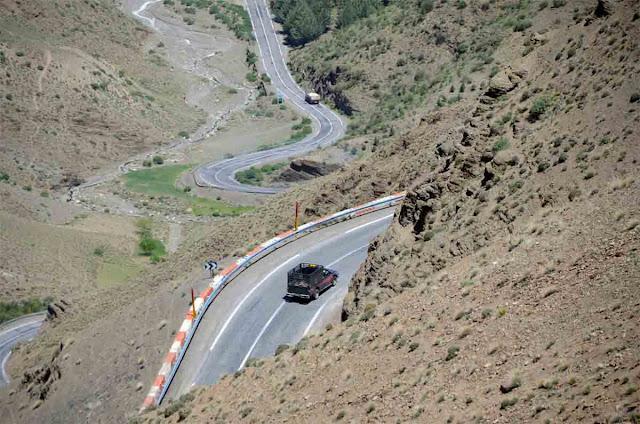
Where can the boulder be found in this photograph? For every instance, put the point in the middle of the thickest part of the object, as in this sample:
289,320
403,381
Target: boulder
503,82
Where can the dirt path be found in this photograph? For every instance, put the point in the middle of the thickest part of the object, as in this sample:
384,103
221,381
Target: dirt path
175,236
45,69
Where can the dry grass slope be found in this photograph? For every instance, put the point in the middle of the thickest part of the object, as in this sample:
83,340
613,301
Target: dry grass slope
79,90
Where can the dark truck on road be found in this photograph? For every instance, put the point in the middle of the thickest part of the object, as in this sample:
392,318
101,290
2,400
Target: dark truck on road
307,281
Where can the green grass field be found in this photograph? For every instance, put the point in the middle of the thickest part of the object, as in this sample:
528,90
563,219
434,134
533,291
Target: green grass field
117,270
161,181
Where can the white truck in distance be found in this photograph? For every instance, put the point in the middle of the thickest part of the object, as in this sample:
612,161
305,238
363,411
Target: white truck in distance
312,98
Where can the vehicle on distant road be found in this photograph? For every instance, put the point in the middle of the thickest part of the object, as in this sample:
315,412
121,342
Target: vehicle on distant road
307,281
312,98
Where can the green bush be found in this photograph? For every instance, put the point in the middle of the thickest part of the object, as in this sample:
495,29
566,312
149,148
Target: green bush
425,6
252,76
539,107
149,246
521,25
158,160
501,144
452,352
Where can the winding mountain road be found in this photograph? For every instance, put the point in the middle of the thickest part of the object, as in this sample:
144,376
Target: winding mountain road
19,330
251,318
328,125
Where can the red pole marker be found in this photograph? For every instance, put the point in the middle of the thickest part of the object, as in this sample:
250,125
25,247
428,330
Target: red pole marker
193,303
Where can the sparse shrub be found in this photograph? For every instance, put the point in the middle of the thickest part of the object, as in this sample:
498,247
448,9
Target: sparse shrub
634,98
252,76
543,166
99,251
486,313
539,107
369,312
244,412
631,390
452,352
147,163
464,333
425,6
158,160
461,4
507,403
183,134
548,384
502,311
418,412
574,193
340,415
501,144
521,25
413,346
558,3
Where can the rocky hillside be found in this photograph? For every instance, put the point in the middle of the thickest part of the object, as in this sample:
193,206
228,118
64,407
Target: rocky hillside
507,288
80,89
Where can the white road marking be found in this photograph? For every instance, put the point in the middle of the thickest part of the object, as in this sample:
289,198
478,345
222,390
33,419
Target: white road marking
368,223
253,346
315,316
5,377
235,311
319,311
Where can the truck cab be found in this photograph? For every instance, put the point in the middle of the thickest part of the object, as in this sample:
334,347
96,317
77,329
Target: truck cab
312,98
307,281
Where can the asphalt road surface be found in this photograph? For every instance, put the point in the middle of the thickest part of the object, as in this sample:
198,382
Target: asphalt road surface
19,330
328,125
251,317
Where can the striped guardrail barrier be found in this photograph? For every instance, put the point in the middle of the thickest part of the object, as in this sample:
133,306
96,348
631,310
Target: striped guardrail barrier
203,301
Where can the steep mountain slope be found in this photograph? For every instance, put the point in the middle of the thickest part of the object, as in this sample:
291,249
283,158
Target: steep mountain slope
507,288
79,90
